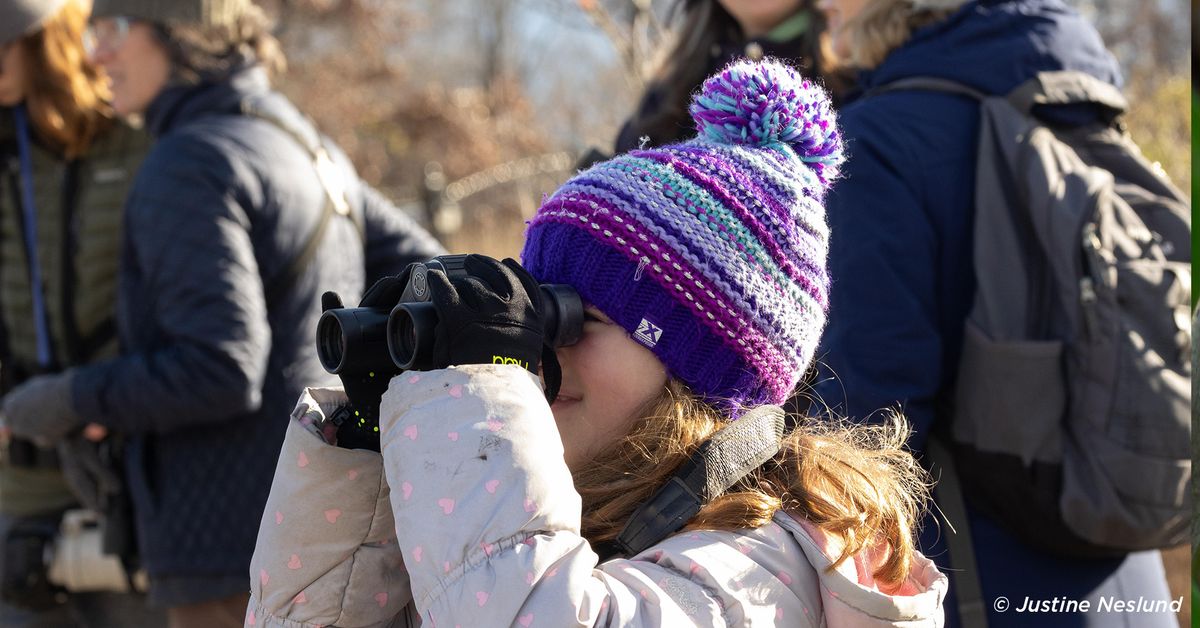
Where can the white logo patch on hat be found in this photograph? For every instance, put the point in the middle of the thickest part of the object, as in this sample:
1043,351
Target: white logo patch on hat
648,333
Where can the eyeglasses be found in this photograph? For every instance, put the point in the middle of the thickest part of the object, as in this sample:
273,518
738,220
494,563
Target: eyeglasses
106,33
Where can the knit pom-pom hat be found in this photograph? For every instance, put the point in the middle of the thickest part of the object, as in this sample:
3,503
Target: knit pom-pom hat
711,252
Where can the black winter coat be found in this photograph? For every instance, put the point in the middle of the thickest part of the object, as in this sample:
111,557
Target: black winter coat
210,369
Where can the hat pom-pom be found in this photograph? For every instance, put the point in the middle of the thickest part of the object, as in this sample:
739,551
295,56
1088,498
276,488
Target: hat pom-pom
762,103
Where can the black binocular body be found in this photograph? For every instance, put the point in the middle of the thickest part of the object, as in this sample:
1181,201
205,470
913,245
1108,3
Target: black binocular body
368,346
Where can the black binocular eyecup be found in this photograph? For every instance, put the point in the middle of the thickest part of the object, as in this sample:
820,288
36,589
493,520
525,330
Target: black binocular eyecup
373,340
410,330
348,338
562,314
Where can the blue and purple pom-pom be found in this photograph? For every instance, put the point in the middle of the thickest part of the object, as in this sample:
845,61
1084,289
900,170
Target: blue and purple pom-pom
760,103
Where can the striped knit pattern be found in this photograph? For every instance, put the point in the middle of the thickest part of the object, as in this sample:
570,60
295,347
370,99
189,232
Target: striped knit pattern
710,252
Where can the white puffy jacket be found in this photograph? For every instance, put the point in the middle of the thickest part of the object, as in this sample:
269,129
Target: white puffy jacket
480,527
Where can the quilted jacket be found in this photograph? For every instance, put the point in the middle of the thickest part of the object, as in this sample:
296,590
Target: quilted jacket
213,355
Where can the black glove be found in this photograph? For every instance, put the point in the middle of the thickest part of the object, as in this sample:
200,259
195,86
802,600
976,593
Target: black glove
386,292
491,316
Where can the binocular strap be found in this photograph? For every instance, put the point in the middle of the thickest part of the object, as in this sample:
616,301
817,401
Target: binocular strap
551,373
719,463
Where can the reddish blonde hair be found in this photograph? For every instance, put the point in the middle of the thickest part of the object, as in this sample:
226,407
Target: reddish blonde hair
66,95
878,29
856,483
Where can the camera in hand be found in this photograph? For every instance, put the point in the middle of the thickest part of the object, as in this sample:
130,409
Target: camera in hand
367,346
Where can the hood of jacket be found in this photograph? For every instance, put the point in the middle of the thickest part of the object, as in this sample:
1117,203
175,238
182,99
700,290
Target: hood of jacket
178,104
995,45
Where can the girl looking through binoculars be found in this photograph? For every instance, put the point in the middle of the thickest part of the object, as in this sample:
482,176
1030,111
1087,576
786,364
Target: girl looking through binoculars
660,487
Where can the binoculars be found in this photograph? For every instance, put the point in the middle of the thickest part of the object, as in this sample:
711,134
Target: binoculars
365,339
367,346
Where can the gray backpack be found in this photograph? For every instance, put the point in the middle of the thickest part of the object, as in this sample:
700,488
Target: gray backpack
1071,412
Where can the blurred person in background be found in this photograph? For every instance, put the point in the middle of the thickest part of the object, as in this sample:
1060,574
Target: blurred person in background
240,217
710,35
66,165
902,221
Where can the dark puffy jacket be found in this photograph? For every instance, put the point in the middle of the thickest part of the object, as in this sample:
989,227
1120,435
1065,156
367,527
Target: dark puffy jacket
210,367
900,262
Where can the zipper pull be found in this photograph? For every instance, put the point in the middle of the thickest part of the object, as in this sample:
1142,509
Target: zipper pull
330,425
1087,299
340,415
1091,237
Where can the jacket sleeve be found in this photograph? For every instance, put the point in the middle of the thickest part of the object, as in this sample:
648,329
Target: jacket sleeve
326,552
189,251
882,348
488,519
394,240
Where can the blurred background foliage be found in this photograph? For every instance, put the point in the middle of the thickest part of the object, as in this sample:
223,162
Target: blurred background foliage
424,93
1161,123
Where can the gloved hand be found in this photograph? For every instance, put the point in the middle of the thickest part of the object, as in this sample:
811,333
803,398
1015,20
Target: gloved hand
491,316
40,409
90,478
383,294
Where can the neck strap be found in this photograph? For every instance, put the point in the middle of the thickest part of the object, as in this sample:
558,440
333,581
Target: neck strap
719,463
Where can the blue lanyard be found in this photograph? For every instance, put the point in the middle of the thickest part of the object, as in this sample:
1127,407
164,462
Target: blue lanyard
29,211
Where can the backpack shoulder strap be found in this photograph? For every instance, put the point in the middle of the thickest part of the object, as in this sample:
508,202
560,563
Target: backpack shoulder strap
326,171
927,84
335,196
1064,87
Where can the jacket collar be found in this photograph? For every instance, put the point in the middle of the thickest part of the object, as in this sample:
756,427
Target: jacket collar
179,104
995,45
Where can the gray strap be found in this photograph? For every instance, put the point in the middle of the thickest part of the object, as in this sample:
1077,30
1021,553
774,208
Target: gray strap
331,182
1047,88
335,199
738,449
719,463
965,573
1066,88
927,84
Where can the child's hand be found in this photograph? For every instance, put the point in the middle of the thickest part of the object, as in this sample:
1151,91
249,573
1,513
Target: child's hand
491,316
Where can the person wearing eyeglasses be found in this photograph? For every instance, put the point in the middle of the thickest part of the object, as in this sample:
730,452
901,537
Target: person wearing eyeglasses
240,217
66,164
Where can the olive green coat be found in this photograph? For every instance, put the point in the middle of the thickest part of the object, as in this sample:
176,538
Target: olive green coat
79,207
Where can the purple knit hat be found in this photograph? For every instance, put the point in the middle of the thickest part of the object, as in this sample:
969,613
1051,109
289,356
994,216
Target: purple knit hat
710,252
